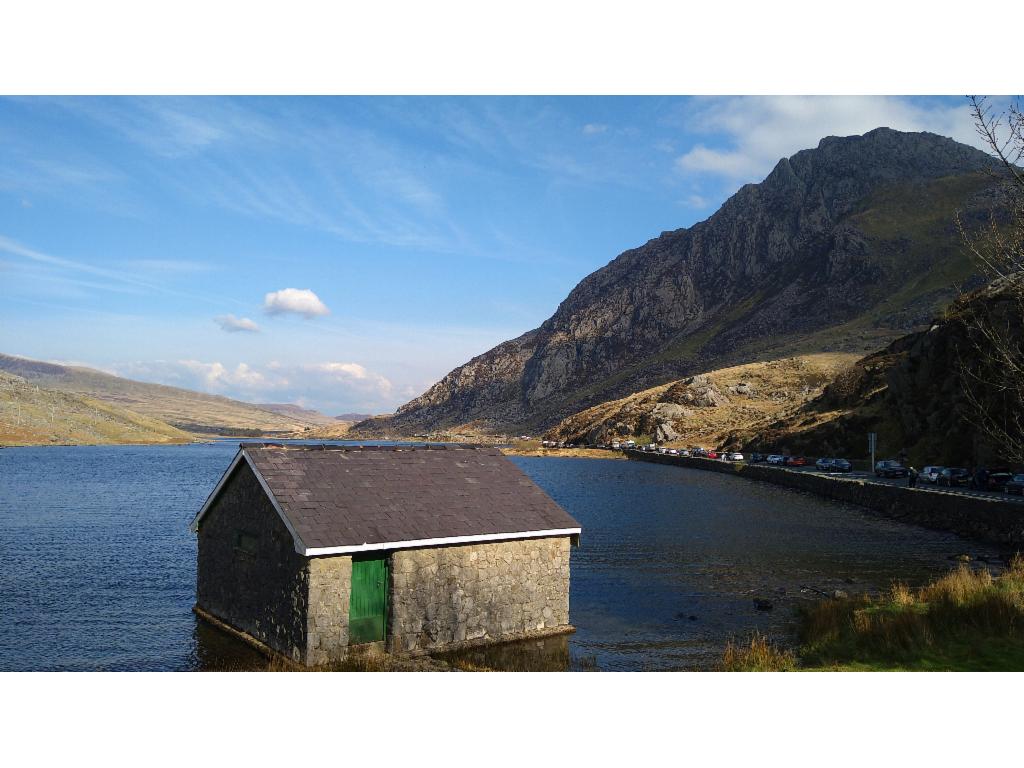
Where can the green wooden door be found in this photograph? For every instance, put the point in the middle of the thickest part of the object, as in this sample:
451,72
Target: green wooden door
368,607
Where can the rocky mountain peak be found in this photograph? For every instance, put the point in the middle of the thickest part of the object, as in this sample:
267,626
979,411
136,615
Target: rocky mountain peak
839,243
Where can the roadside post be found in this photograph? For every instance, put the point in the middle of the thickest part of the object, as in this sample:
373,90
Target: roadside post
872,439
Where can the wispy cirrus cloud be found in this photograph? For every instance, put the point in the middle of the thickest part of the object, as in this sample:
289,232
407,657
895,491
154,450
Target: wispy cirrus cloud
296,301
61,269
232,324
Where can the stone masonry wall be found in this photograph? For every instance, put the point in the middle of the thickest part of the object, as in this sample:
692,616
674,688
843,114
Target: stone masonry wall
488,591
249,574
330,588
984,519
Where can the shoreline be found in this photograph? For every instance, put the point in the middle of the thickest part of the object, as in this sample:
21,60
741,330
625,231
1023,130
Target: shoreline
993,521
564,453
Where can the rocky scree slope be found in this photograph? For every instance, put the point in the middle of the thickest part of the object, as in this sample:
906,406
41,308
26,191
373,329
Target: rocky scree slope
841,248
705,409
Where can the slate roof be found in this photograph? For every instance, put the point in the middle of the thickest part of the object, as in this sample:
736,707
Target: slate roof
350,497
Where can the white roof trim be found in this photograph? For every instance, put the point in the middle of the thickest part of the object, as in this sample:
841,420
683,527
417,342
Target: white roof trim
348,549
300,547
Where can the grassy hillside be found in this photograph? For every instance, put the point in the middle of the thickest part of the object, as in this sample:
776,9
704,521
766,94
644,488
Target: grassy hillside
31,415
912,394
181,408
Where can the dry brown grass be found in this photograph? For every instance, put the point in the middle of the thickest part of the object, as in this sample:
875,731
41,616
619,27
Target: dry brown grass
779,386
965,619
759,656
563,453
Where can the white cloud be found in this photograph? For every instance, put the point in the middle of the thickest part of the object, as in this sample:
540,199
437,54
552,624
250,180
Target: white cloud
354,374
233,324
294,300
591,129
694,201
333,386
217,376
760,130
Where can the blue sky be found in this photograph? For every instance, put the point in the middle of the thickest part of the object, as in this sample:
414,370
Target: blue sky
345,253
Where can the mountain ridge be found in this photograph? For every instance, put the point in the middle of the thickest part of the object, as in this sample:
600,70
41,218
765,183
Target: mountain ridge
842,247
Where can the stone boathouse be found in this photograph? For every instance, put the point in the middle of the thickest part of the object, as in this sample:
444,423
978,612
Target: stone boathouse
311,550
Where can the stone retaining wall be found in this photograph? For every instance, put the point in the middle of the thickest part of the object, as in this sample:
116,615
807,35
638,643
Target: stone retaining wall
477,592
975,517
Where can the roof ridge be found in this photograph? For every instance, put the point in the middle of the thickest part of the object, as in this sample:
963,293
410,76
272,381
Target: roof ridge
392,447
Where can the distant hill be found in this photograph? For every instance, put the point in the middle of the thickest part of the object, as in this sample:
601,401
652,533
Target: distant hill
31,415
353,417
297,412
180,408
841,249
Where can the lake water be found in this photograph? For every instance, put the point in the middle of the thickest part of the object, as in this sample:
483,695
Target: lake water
97,565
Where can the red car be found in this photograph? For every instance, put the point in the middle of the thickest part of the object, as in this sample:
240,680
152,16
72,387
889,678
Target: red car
796,461
712,454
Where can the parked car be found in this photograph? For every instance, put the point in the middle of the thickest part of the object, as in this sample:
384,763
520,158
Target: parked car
684,452
997,480
951,477
616,445
698,451
673,452
1015,485
711,454
985,479
890,468
734,456
795,461
833,465
930,474
776,459
663,451
756,458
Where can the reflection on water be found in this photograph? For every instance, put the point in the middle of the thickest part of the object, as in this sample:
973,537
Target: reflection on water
549,654
97,566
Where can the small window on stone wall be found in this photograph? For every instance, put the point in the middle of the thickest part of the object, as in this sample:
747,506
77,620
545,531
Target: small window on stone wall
246,544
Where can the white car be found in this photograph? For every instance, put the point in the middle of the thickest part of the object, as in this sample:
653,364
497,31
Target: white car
734,456
683,452
673,452
663,451
776,459
616,445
